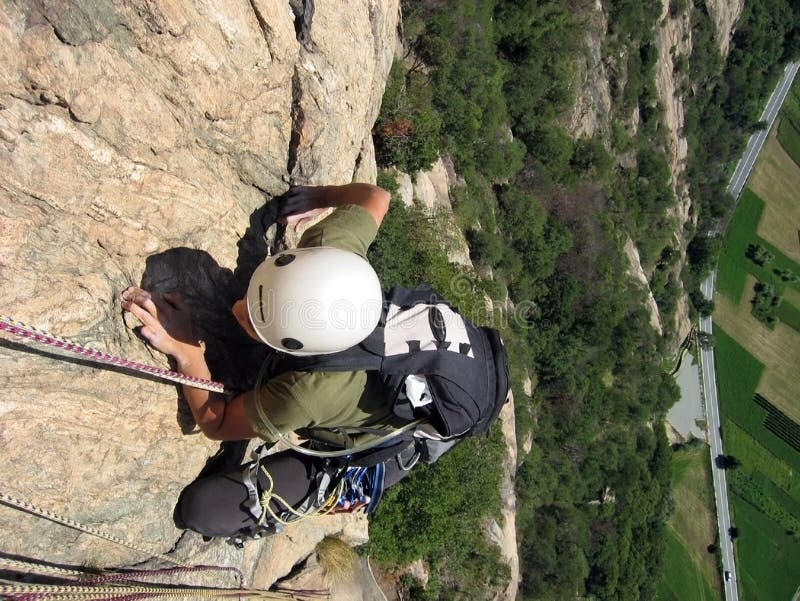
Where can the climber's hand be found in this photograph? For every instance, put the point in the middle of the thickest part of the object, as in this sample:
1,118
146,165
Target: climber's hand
301,204
165,321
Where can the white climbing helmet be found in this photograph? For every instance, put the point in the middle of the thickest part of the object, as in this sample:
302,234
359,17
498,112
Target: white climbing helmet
310,301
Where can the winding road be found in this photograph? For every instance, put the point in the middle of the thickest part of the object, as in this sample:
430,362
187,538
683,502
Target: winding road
738,180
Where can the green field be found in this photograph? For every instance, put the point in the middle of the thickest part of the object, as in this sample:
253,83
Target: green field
734,264
690,571
738,373
741,231
789,137
789,128
789,314
756,458
768,558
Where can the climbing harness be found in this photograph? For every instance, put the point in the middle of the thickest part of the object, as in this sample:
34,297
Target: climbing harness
291,514
27,332
337,488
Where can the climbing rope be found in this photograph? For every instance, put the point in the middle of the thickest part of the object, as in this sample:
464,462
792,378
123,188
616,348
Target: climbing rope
27,567
269,495
119,586
29,592
53,517
27,332
93,579
126,585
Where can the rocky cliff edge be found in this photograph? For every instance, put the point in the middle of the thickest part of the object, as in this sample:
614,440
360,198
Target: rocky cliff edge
138,142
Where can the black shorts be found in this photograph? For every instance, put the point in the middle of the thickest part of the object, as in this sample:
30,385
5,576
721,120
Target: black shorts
217,504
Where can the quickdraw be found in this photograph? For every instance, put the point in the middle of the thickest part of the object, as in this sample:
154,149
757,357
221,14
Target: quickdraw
21,330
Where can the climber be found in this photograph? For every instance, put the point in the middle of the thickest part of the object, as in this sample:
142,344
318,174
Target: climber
405,370
331,257
292,401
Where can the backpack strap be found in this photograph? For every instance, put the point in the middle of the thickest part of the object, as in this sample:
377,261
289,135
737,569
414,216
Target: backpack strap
500,382
367,356
408,297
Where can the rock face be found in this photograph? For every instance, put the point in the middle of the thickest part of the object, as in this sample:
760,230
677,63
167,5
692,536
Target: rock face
635,271
673,40
673,37
506,537
591,112
138,142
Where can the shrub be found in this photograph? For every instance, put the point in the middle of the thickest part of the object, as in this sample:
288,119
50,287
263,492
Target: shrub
408,130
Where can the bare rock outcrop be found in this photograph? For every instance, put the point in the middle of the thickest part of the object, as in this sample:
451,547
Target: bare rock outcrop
725,14
507,533
591,111
673,40
635,271
140,140
430,189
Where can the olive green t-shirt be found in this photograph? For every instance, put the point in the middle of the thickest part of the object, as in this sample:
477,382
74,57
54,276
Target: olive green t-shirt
302,401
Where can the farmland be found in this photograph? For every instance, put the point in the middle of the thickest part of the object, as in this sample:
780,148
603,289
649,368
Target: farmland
757,349
779,348
777,177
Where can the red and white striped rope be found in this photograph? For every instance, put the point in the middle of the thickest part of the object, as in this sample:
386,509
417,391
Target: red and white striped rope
21,330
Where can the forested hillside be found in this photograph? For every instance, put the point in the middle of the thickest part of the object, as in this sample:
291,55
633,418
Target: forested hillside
489,83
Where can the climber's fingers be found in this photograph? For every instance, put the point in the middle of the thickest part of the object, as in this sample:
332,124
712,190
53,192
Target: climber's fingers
140,303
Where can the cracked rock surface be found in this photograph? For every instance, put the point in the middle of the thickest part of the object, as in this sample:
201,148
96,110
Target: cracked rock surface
139,141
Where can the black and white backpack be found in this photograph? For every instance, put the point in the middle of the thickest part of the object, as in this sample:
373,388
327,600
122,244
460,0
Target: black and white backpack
444,373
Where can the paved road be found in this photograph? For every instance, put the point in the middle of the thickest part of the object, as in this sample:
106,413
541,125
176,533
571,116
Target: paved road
738,180
715,441
745,165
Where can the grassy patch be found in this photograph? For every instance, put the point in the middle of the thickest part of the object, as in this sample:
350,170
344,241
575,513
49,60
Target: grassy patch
738,374
731,280
789,314
792,296
789,127
681,579
755,457
768,556
690,571
789,138
791,106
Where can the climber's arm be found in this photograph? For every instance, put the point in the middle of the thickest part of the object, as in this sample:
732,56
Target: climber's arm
217,418
302,203
166,326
